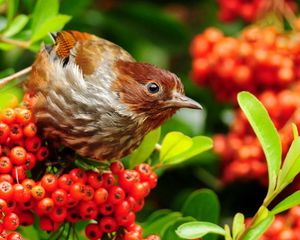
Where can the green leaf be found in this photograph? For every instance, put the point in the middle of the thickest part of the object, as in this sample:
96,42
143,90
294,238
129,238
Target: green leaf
12,9
200,144
170,231
203,205
291,164
173,144
194,230
156,215
43,11
16,26
289,202
160,225
227,232
238,225
295,130
6,46
51,25
261,215
257,231
145,148
265,131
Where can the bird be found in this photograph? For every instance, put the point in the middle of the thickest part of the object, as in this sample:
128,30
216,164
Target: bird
93,97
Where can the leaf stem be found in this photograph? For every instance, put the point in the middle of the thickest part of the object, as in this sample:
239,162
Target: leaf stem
18,43
4,81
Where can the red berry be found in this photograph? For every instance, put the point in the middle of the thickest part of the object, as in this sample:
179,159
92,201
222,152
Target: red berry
3,206
6,190
89,193
116,195
108,180
38,192
94,179
23,116
4,132
33,144
30,161
108,224
60,197
5,165
122,209
28,183
133,236
16,132
18,173
100,196
78,175
11,221
106,208
139,190
93,232
126,220
30,130
18,155
152,180
49,182
65,182
14,236
77,191
7,178
20,193
26,218
58,214
116,167
42,153
127,179
144,170
73,215
47,224
88,210
46,205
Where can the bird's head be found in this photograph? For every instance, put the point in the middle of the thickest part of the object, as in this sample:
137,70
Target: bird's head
150,92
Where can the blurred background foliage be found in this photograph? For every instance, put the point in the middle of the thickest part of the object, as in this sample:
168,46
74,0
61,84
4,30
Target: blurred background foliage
157,32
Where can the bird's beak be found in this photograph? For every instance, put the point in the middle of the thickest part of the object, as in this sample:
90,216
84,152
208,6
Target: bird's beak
182,101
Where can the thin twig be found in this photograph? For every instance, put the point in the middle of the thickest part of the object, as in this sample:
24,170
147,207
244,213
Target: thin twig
4,81
18,43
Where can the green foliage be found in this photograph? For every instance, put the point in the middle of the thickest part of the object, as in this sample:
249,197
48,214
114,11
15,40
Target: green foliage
278,178
177,147
265,131
16,26
143,152
255,232
201,205
289,202
238,225
194,230
24,30
291,164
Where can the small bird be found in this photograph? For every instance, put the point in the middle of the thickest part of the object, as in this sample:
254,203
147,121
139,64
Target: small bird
93,97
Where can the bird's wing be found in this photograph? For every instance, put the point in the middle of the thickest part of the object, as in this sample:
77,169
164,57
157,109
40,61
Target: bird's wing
86,50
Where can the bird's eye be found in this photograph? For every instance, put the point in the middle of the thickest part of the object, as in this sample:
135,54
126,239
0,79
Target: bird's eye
152,87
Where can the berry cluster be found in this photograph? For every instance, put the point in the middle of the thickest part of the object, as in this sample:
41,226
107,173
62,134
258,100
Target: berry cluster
260,59
246,10
109,200
240,151
285,226
20,149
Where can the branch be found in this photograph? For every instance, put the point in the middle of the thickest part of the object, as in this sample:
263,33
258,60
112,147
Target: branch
18,43
4,81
